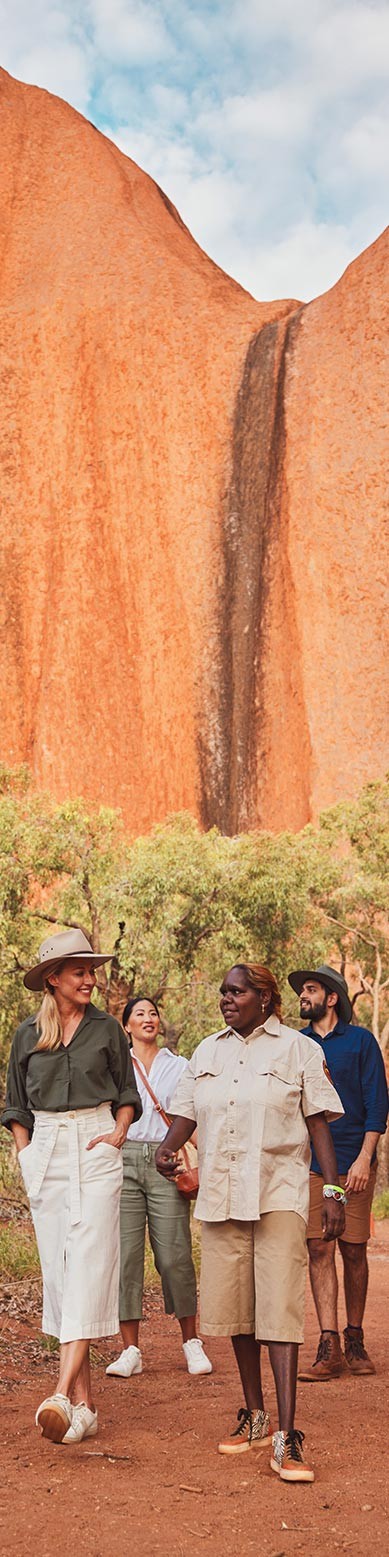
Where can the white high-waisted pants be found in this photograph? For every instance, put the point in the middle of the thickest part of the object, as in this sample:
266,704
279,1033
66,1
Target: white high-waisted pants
75,1199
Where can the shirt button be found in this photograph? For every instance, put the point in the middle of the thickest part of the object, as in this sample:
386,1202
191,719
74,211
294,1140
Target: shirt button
231,1102
232,1159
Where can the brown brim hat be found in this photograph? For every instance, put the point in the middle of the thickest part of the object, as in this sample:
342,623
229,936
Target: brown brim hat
330,979
58,949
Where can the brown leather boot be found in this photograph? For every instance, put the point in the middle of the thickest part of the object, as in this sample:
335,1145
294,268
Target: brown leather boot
329,1363
355,1354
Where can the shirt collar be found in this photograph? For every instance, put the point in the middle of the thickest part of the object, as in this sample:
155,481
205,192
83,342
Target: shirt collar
272,1026
92,1014
336,1032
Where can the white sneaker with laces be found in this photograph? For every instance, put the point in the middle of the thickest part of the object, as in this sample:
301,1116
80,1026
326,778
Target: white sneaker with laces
54,1416
196,1358
129,1362
83,1424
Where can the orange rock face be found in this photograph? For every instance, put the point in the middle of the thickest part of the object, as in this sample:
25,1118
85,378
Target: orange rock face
192,548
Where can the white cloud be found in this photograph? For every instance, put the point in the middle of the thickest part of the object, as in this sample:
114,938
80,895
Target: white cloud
246,121
129,32
46,46
311,258
352,46
366,146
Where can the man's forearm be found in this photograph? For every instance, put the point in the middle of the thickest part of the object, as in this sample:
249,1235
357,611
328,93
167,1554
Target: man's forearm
323,1146
370,1142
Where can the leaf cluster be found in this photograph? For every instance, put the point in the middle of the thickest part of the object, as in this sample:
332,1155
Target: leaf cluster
179,906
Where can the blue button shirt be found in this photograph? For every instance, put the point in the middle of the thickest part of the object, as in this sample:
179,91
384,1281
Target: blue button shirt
357,1070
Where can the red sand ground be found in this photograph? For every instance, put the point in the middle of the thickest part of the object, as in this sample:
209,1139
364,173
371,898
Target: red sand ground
152,1480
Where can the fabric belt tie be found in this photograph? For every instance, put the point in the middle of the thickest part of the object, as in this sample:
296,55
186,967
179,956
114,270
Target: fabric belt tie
46,1137
74,1173
45,1143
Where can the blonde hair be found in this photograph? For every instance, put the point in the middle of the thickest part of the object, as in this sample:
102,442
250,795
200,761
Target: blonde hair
48,1022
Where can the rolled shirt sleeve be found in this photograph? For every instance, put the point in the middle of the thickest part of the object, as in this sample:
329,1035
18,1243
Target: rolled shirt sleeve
374,1085
16,1103
94,1068
318,1095
182,1102
122,1071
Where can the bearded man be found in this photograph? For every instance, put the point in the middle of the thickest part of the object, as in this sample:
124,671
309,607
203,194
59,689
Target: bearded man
354,1061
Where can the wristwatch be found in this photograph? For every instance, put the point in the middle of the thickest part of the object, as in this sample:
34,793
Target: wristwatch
334,1192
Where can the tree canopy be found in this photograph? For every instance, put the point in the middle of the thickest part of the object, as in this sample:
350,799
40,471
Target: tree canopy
179,906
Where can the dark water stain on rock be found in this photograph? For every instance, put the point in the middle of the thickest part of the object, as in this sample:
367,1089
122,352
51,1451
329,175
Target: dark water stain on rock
233,735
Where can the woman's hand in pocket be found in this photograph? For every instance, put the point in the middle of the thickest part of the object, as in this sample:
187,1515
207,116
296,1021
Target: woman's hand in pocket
114,1137
21,1136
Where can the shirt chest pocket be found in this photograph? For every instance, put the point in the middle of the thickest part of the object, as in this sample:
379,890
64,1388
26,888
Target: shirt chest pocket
281,1089
207,1086
46,1076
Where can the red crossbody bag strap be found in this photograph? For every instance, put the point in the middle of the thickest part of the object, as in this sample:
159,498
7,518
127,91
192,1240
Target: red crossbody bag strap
167,1121
189,1178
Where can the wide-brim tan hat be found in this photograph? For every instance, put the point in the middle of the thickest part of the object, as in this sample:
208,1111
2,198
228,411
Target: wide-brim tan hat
330,979
57,949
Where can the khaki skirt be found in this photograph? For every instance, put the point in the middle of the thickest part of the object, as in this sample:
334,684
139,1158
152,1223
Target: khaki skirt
74,1198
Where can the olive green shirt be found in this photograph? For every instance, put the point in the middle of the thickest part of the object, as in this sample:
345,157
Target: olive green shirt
94,1068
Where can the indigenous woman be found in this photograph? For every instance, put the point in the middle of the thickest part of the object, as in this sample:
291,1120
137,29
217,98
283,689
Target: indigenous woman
258,1092
71,1096
146,1198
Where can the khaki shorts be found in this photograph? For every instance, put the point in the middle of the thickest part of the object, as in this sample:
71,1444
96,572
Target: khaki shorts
357,1229
253,1277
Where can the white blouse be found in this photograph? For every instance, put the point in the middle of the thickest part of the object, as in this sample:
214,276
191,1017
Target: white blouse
166,1071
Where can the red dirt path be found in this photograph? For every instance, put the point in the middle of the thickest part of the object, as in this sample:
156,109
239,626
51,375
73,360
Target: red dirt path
152,1480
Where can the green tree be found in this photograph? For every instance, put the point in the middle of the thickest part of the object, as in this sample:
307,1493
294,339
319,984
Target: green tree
179,906
357,907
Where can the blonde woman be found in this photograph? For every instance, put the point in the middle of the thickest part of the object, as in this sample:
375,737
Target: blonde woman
71,1096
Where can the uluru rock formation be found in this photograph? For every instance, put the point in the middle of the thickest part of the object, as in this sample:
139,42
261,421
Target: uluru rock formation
192,580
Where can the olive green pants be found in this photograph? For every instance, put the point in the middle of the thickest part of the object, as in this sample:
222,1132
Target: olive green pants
149,1199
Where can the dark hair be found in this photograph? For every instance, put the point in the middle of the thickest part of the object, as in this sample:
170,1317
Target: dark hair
135,999
263,981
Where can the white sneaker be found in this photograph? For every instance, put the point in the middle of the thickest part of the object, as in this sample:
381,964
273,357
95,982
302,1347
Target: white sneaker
196,1358
83,1424
130,1361
54,1416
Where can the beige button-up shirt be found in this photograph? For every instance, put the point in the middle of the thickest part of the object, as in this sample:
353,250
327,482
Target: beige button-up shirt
250,1099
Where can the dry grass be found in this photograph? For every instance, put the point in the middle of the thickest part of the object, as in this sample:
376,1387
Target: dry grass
18,1252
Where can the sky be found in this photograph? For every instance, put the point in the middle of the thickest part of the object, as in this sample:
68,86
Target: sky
265,121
